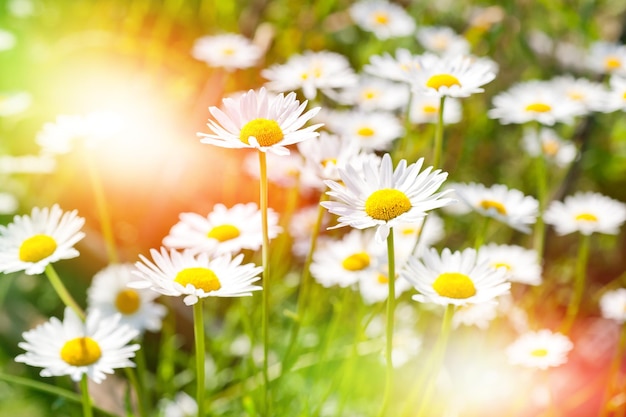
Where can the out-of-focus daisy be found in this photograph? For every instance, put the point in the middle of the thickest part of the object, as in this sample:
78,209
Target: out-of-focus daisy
454,278
591,94
385,20
7,40
14,103
301,228
458,76
373,93
509,206
27,164
426,232
521,265
383,197
223,230
534,101
374,288
32,242
323,155
407,342
586,213
372,131
181,406
540,350
548,143
613,305
395,68
286,171
255,120
312,71
616,96
72,347
8,203
346,261
479,315
425,109
229,51
442,40
607,58
109,293
196,276
21,8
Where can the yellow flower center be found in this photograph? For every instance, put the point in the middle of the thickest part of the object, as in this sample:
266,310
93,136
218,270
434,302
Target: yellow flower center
81,351
381,18
411,231
328,161
127,301
36,248
223,232
454,285
356,262
228,51
576,95
539,353
365,131
491,204
370,94
502,265
442,80
428,109
586,217
201,278
383,279
267,132
612,63
550,147
387,204
538,107
624,95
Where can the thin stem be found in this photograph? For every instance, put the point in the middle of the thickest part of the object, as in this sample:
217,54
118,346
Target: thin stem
614,371
439,135
62,292
540,227
266,277
579,284
198,328
482,233
391,305
86,399
131,374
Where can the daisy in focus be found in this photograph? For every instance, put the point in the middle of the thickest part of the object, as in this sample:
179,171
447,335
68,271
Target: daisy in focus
223,230
382,196
70,347
174,273
540,350
384,19
254,120
455,278
586,213
613,305
31,242
230,51
547,142
109,293
521,264
509,206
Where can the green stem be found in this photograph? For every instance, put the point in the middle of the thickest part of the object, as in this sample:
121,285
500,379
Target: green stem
614,371
86,399
579,284
198,327
139,392
482,233
62,292
266,278
439,135
540,227
391,305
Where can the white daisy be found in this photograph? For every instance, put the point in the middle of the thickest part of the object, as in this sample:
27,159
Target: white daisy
395,68
12,103
7,40
382,197
323,155
21,8
346,261
230,51
442,40
93,348
286,171
109,293
374,288
613,305
425,109
407,343
256,121
454,278
385,20
458,76
541,350
479,315
509,206
616,96
591,94
8,203
607,58
196,276
372,131
587,213
312,71
301,228
521,265
534,101
548,143
181,406
372,93
31,242
429,230
223,230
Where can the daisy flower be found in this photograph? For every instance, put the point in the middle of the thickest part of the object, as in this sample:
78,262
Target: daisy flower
395,68
479,315
286,171
534,101
312,71
34,241
255,120
521,265
607,58
458,76
230,51
181,406
346,261
590,94
429,230
587,213
371,94
72,347
548,143
196,276
223,230
372,131
541,350
616,96
12,103
454,278
323,155
425,109
8,203
613,305
443,41
385,20
7,40
374,288
407,343
509,206
301,227
109,293
382,197
21,8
